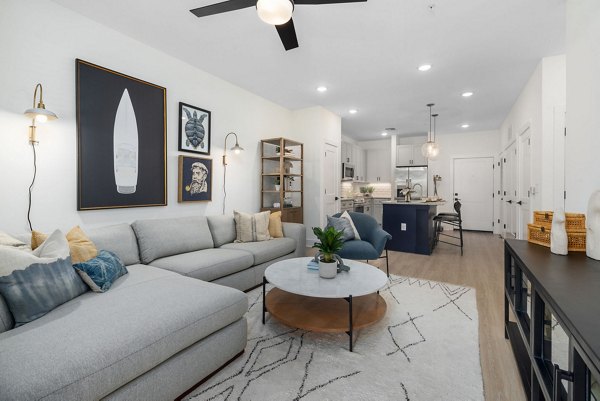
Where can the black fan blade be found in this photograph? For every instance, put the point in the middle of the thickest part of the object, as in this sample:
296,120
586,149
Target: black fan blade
287,33
223,7
327,1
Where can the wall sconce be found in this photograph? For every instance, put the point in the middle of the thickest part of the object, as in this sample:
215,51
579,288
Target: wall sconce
236,149
38,114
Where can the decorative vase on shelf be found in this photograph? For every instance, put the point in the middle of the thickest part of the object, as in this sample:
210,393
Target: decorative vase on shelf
559,243
592,241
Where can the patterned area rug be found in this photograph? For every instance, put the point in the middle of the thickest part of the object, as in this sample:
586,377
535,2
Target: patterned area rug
425,348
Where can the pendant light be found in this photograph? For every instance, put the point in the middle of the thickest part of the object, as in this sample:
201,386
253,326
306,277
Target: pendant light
430,149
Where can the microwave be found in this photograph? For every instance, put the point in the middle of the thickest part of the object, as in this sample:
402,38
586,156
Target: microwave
347,172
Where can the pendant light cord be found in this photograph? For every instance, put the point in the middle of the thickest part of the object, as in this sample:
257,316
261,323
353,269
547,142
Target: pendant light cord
224,188
31,186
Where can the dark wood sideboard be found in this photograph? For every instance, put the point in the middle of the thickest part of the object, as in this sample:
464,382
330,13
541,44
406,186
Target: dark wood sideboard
552,319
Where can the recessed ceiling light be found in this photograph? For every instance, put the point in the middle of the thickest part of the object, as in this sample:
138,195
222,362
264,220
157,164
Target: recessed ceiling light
352,111
465,126
321,89
425,67
467,94
384,133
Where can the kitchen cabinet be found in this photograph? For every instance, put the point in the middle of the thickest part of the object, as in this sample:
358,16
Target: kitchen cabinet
347,153
378,210
346,205
378,165
410,155
359,164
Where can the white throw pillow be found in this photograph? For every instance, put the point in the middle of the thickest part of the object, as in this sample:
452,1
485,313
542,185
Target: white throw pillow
251,227
346,216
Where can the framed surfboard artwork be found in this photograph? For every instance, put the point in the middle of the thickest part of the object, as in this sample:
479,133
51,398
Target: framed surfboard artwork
121,140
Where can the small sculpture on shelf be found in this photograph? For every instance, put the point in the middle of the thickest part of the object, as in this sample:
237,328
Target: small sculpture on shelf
559,243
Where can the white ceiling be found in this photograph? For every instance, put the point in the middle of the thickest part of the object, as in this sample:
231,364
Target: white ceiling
367,54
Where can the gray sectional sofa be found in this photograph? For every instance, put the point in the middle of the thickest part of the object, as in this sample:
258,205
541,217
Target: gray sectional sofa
172,321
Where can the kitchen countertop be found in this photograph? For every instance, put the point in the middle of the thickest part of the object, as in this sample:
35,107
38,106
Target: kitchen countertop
417,202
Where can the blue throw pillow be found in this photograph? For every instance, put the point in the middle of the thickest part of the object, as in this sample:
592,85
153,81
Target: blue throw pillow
341,224
100,272
34,283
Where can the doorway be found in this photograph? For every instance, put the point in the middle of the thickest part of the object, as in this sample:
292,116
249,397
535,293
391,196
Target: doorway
509,191
331,180
474,187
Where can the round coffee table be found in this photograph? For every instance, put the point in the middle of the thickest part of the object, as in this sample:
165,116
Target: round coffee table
302,299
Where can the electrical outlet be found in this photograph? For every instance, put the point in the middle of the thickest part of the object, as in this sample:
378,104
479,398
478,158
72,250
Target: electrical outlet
402,226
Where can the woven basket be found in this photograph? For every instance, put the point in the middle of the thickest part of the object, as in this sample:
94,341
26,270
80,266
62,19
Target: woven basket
574,221
541,235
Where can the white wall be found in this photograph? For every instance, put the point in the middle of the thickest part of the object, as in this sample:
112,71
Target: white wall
583,102
316,126
40,41
538,108
458,145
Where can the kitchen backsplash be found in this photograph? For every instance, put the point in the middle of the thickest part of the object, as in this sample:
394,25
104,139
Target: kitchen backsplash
350,189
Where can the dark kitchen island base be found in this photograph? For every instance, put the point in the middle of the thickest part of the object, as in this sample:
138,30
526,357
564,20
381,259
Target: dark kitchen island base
418,234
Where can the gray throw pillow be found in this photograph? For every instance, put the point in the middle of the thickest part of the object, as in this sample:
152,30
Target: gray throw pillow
34,283
341,224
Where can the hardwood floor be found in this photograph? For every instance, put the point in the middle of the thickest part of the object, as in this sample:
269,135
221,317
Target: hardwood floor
481,267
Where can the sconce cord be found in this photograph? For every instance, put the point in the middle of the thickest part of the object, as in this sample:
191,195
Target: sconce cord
31,186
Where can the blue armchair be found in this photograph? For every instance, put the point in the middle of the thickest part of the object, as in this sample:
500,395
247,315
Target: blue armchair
372,243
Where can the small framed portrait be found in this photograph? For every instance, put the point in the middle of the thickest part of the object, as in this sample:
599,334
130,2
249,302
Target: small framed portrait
195,179
194,129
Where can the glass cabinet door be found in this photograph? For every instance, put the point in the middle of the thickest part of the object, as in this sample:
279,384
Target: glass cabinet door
555,349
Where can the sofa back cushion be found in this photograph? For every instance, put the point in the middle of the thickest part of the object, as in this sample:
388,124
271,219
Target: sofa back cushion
158,238
118,239
222,229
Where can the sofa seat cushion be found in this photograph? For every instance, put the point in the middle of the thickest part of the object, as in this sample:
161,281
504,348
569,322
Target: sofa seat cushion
358,250
207,264
265,251
96,343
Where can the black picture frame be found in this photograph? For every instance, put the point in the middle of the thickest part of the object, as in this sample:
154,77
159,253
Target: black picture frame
194,129
195,179
121,140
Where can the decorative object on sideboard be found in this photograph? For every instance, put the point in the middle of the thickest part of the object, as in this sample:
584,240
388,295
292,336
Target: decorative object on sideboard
236,149
195,179
436,178
558,236
431,149
194,129
540,231
121,140
38,114
593,226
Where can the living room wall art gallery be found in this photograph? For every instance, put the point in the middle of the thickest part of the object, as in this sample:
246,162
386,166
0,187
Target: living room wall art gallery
121,134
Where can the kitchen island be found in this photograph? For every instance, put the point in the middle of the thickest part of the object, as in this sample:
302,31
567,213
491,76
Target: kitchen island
411,225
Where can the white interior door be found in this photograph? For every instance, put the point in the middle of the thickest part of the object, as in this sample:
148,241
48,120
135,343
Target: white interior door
474,187
524,190
509,176
330,180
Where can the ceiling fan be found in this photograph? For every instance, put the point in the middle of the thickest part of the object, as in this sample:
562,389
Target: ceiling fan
273,12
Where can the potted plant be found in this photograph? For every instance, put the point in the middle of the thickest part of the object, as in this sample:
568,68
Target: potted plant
331,241
370,190
277,183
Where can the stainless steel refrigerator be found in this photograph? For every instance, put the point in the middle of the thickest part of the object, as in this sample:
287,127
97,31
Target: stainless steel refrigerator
411,176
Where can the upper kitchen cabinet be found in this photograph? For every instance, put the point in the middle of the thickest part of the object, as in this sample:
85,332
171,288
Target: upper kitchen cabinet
378,165
347,153
410,155
360,164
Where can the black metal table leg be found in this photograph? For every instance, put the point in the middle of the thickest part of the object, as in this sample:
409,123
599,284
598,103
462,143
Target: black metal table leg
264,309
350,326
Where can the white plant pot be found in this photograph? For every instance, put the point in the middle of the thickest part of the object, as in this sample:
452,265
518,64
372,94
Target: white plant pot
327,270
277,187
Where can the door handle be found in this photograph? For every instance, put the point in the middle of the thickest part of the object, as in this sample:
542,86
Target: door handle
519,202
336,198
509,201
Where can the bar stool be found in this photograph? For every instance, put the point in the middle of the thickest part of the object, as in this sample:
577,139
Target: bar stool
453,219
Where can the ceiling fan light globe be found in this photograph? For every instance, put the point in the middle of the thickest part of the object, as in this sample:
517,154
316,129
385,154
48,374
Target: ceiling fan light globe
275,12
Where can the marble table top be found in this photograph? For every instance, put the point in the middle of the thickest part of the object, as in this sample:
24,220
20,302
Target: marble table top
293,275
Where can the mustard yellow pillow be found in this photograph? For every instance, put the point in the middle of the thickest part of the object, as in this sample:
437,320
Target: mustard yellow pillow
81,247
275,226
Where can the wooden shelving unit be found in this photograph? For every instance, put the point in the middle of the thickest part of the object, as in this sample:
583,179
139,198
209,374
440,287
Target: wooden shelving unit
282,178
